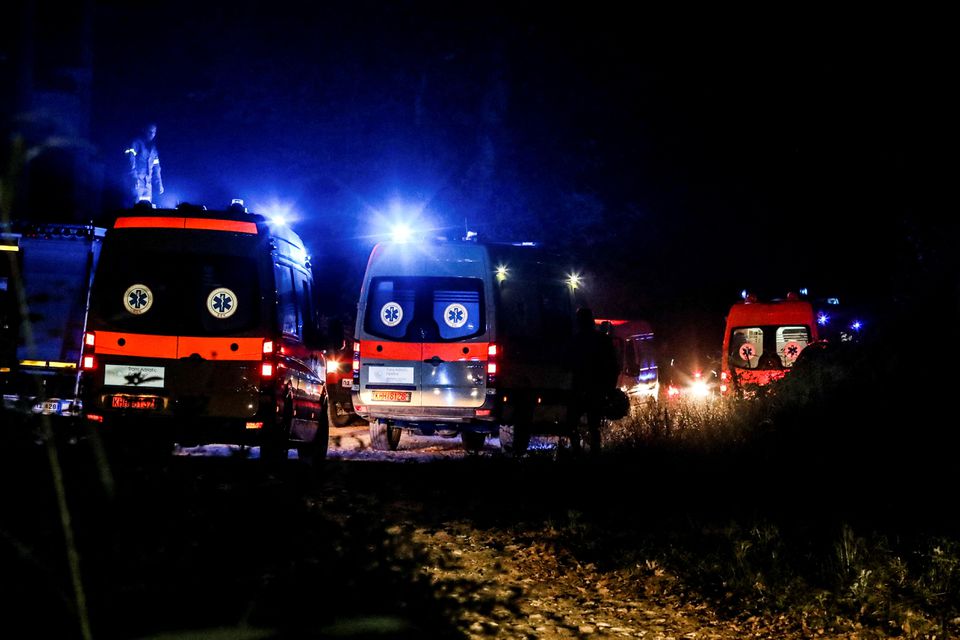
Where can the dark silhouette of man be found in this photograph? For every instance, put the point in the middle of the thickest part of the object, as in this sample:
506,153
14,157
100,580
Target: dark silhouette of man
595,372
145,166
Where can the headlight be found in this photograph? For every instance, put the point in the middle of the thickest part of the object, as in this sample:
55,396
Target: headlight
699,389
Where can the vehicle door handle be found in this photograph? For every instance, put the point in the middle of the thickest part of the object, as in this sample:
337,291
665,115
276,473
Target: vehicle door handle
435,361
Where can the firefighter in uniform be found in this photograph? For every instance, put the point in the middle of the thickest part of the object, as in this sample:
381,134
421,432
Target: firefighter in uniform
145,166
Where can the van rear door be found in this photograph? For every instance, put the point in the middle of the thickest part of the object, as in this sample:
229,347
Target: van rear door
429,346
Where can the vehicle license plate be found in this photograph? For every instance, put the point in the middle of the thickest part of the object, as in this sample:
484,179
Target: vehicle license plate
49,406
135,402
347,382
392,396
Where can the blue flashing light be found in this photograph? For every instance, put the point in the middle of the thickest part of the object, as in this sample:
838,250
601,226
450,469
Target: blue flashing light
743,294
823,319
857,325
804,291
401,232
277,213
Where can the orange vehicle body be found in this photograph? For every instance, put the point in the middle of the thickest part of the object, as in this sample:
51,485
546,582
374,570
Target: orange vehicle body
762,341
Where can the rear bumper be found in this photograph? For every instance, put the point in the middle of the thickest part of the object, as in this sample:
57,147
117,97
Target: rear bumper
184,431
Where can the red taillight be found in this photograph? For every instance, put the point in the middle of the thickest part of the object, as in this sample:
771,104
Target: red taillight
723,375
266,370
491,364
89,363
254,425
94,417
268,346
89,339
673,391
482,413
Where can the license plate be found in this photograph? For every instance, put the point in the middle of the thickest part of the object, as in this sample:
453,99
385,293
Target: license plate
392,396
133,402
347,382
48,406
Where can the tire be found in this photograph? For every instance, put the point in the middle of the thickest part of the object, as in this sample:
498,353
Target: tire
473,441
336,420
383,437
514,439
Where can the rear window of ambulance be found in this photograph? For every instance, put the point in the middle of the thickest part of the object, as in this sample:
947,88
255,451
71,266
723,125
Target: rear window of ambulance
425,309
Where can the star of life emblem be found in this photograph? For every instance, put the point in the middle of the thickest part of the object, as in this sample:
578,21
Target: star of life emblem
138,299
391,314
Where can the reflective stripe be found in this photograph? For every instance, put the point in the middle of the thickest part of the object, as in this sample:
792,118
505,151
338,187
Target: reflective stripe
169,347
446,351
389,350
133,151
156,161
451,352
135,344
220,348
162,222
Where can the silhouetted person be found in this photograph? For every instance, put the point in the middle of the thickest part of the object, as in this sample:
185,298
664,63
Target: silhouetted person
145,166
595,372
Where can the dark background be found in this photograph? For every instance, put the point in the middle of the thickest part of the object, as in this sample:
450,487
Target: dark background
676,159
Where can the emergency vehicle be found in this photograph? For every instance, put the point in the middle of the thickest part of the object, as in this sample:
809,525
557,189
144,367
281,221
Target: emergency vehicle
340,384
45,276
202,329
634,342
463,336
762,341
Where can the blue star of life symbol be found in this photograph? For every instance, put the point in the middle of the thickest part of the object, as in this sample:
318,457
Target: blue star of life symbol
222,302
391,314
746,352
138,298
456,316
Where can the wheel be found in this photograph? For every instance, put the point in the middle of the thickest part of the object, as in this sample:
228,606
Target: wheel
514,439
473,440
337,420
383,437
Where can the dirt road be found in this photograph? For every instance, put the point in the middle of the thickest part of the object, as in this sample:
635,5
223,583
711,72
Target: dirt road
424,542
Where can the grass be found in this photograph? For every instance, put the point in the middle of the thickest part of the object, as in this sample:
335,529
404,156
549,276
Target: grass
818,502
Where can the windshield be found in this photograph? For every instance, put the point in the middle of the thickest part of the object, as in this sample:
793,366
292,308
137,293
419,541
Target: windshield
155,284
767,347
425,309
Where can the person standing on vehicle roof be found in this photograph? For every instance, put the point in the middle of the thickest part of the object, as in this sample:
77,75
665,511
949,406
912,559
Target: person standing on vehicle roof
595,372
145,165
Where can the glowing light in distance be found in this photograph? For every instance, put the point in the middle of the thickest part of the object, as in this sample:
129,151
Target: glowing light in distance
857,325
332,366
574,280
502,272
823,319
699,389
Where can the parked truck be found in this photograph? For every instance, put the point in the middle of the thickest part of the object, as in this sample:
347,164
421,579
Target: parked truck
46,271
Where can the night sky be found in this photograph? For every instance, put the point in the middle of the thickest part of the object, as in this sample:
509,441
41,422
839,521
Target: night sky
677,159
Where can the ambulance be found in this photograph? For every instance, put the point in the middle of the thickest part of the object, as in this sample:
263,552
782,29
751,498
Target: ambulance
762,341
463,337
203,329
